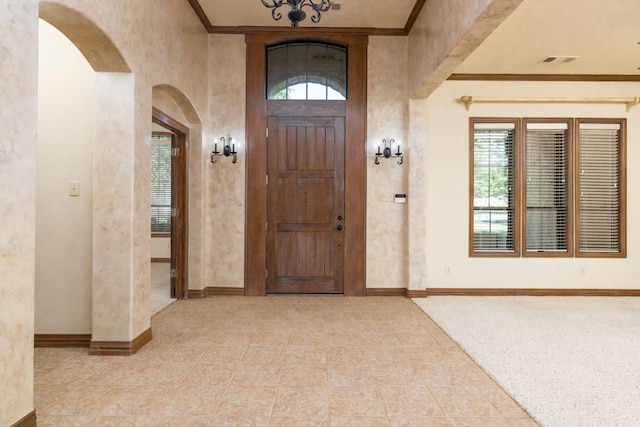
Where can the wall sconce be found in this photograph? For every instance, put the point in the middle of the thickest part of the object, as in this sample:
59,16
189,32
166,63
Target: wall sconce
387,151
228,149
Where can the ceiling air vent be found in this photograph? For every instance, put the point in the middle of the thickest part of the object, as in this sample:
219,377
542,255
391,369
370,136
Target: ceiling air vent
559,59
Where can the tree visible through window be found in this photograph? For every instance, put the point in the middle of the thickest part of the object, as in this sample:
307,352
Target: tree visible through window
493,177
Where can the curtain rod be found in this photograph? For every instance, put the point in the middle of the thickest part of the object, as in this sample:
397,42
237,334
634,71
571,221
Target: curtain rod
629,102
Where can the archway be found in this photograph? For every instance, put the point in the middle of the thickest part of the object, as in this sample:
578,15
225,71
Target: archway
174,111
94,44
112,319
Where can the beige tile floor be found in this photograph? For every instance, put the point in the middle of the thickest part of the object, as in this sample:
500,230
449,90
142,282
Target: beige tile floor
277,361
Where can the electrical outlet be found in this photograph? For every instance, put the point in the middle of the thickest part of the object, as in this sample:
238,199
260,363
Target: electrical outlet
386,197
447,270
582,270
74,188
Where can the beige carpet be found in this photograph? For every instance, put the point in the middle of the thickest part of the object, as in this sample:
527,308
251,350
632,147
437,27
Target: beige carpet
569,361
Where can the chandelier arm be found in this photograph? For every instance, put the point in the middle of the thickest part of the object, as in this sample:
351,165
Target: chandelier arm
323,6
296,14
316,18
277,4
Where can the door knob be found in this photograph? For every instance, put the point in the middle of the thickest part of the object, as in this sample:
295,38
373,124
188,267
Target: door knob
339,228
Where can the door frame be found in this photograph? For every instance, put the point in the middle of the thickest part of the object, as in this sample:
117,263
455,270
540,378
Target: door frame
256,158
179,229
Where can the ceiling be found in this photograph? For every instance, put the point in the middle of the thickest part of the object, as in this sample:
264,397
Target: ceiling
603,36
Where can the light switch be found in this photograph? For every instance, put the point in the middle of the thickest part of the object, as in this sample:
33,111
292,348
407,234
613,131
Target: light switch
74,188
400,198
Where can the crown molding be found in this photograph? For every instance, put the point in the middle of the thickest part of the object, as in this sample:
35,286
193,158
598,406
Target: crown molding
546,77
195,5
308,31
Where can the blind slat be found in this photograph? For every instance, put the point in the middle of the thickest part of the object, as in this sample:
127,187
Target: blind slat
546,187
494,176
161,186
599,189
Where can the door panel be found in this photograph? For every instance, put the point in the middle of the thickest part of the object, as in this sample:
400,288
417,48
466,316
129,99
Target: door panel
305,248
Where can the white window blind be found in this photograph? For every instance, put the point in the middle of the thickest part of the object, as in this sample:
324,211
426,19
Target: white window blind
599,188
161,184
547,187
493,181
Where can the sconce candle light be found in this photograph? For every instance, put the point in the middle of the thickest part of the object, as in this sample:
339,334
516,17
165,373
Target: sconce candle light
387,151
228,149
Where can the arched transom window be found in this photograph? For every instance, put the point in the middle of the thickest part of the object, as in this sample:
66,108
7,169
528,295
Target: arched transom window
307,71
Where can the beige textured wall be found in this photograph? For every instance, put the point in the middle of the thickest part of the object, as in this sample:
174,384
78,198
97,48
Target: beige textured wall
66,91
113,247
224,184
387,117
447,188
18,85
445,33
160,247
165,103
417,229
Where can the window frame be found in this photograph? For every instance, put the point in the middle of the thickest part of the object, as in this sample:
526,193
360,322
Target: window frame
516,174
622,204
570,198
573,185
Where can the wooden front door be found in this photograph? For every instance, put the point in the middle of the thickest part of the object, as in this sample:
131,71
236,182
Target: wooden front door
305,207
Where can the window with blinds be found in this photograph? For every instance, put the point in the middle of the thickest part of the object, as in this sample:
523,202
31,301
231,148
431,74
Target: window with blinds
493,183
161,184
601,211
547,187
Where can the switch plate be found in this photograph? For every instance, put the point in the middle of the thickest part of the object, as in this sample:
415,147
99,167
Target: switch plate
74,188
400,198
385,197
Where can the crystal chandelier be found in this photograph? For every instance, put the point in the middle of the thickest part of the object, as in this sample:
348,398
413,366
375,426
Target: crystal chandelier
297,14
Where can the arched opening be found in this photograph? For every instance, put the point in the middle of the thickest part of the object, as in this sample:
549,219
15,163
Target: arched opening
64,188
94,44
106,186
173,112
